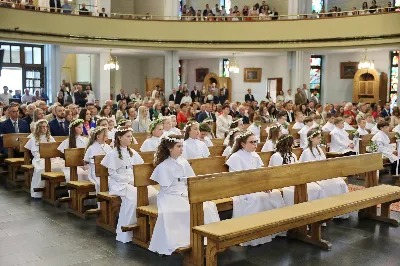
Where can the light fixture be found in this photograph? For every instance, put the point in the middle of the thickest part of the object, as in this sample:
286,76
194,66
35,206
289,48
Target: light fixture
112,63
365,63
233,65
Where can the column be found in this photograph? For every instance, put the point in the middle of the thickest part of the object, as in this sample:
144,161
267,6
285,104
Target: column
296,69
171,68
104,79
53,65
171,9
296,7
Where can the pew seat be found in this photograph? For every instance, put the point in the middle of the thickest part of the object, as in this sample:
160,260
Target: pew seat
81,184
224,234
54,176
15,161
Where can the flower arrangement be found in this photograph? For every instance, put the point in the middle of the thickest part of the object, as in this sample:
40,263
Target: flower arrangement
372,146
354,133
397,135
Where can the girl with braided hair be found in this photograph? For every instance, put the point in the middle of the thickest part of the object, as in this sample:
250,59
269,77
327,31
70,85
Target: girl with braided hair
274,133
193,148
120,162
75,140
172,229
41,135
331,187
97,146
156,131
284,155
244,157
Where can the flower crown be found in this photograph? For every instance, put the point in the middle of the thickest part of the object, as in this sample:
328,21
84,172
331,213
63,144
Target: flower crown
204,127
42,120
208,120
315,133
76,122
122,121
100,119
243,135
275,126
284,137
121,129
237,121
167,138
155,123
189,124
233,131
95,130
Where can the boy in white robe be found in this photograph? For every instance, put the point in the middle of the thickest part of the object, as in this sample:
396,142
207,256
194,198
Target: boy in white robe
329,126
340,141
156,131
317,119
193,148
388,150
308,122
370,122
361,127
204,136
299,121
281,121
255,126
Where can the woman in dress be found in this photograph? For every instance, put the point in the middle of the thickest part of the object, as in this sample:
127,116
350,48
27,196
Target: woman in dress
87,118
156,131
244,157
172,229
96,146
120,162
121,113
331,187
41,135
75,140
193,148
284,155
273,135
280,97
106,111
223,122
231,135
142,122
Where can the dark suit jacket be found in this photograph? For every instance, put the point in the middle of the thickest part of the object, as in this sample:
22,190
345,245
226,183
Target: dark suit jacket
178,97
248,98
7,127
195,95
245,119
28,119
171,98
53,2
120,97
291,115
56,130
223,97
203,115
385,113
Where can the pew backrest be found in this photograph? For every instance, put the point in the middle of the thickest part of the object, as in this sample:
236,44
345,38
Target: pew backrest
218,142
73,159
216,150
101,172
60,138
11,141
141,137
147,156
136,147
47,151
27,156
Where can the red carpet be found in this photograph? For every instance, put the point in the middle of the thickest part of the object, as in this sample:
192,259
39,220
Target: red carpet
394,207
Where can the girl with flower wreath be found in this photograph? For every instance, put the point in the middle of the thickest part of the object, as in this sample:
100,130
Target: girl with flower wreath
169,126
232,135
236,123
75,140
193,148
205,132
41,135
156,131
244,157
172,229
274,133
120,162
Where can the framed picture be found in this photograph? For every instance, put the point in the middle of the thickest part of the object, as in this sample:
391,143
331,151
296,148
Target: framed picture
252,75
201,73
348,69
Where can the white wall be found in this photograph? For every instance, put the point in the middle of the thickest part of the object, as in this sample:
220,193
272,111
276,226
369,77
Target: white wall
336,90
151,67
153,7
83,69
122,6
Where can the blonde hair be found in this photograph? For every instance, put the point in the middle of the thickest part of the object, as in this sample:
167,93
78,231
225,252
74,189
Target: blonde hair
38,133
93,135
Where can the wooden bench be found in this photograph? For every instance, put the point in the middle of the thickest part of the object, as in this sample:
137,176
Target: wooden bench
217,142
141,137
27,167
227,233
216,150
52,180
11,142
147,156
367,138
80,190
109,205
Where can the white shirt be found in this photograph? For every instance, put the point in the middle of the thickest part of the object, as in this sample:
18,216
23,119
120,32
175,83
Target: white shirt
369,126
298,125
383,142
256,131
268,146
328,127
223,125
194,149
374,130
347,126
91,98
277,159
153,93
81,142
207,141
186,99
150,144
26,98
5,98
227,151
289,98
243,160
303,136
316,155
362,131
340,141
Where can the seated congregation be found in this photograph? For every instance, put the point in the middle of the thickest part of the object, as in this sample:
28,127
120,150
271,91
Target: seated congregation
167,187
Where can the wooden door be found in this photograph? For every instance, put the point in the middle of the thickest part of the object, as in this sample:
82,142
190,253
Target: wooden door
279,82
152,83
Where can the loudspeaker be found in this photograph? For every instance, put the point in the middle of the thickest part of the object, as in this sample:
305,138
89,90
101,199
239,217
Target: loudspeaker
1,59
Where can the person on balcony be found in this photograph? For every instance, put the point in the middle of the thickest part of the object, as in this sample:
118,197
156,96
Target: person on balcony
84,11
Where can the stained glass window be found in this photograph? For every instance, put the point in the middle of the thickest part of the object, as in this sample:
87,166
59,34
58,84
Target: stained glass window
317,5
394,75
179,72
225,67
316,73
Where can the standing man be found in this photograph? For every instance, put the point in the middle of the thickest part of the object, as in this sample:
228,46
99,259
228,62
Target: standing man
314,97
26,98
121,96
223,94
90,95
59,126
173,97
80,97
386,110
195,94
306,93
249,97
299,98
55,6
5,97
154,92
43,95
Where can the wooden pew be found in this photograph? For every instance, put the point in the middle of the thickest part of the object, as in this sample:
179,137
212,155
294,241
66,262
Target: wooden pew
367,138
218,142
136,147
80,190
27,167
11,143
141,137
216,150
109,205
60,138
52,180
221,235
148,156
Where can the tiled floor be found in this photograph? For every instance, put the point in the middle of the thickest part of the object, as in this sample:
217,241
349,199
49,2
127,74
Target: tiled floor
35,233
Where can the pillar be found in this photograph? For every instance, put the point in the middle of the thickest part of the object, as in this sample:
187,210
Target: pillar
296,7
104,79
171,9
171,68
53,65
296,69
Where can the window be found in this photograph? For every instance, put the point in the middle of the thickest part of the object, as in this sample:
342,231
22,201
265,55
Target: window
225,68
317,5
316,73
12,54
179,72
397,3
394,75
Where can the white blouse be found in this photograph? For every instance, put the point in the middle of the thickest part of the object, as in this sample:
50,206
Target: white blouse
33,145
328,127
340,141
268,146
243,160
150,144
207,141
194,149
223,126
298,125
96,149
227,151
362,131
256,131
383,142
303,136
277,159
347,126
81,142
316,155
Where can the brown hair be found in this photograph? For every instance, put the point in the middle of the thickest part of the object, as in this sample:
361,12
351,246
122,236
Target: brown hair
242,138
382,124
117,144
284,147
188,128
72,136
307,119
309,133
274,133
338,120
162,152
93,136
37,131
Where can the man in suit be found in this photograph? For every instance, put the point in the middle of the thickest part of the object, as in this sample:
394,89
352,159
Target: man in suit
289,112
171,108
80,97
299,98
29,117
195,94
223,94
386,110
172,96
306,93
59,126
207,114
314,97
55,4
249,97
234,112
242,114
121,96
